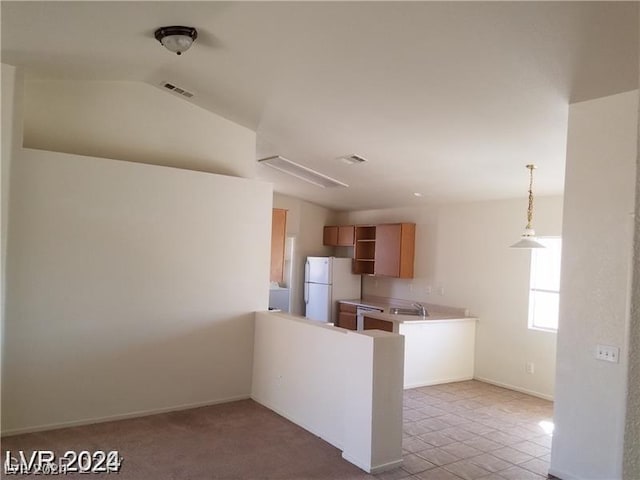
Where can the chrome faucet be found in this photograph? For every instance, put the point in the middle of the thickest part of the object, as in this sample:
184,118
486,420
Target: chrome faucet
421,309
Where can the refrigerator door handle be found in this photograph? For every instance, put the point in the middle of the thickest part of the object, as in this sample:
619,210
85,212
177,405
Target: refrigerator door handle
306,270
306,293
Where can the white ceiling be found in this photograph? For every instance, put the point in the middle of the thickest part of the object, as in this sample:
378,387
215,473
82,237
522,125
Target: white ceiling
449,99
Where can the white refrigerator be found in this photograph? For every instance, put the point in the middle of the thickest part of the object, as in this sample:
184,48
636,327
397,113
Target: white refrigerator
326,281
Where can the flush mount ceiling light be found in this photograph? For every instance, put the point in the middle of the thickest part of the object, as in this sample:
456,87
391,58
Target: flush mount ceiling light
176,39
303,173
528,238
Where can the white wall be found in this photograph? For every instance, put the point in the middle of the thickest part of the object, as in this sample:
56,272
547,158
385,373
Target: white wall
463,250
11,142
136,122
344,386
11,102
305,222
479,271
130,288
594,305
632,431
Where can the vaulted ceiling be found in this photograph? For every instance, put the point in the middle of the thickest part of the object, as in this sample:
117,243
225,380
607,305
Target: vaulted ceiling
447,99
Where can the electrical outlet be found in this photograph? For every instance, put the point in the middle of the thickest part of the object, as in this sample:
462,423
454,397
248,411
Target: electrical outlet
531,368
441,290
608,353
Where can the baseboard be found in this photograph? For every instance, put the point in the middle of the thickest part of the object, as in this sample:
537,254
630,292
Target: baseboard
385,466
515,388
438,382
560,475
361,465
370,469
124,416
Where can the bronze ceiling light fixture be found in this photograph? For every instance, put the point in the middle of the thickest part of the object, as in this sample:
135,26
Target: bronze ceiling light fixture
176,39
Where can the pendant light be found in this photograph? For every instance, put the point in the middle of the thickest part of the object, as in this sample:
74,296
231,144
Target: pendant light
176,39
528,238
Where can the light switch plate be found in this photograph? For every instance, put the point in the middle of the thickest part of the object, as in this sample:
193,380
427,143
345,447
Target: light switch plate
608,353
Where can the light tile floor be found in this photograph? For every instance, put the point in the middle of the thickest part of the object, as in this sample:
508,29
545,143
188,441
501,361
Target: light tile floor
473,430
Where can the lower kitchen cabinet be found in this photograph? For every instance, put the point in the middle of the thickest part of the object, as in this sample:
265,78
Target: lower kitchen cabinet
347,316
347,321
377,324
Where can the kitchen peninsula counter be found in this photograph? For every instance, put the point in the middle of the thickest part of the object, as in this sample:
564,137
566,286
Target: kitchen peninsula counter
415,319
439,348
435,312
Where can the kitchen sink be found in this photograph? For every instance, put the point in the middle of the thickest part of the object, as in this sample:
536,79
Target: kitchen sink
405,311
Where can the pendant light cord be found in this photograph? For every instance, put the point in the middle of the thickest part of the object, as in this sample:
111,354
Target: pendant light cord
530,208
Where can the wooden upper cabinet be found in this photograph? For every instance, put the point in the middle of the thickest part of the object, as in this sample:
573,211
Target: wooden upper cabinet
387,254
278,234
330,236
395,250
345,235
338,236
365,250
387,249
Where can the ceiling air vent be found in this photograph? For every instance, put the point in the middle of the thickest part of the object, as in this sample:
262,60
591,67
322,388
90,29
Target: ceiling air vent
299,171
177,90
353,159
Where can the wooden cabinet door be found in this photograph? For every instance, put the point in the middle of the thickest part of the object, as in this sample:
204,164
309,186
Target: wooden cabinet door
347,316
376,324
407,249
347,307
347,320
346,235
338,236
387,254
278,234
330,236
395,250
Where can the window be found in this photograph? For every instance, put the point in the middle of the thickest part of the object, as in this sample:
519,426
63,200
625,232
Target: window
544,289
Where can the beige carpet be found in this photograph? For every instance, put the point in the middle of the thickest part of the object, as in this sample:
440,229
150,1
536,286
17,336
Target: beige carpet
466,430
239,440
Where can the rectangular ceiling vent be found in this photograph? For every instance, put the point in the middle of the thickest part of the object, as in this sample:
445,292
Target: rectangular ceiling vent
299,171
177,90
353,159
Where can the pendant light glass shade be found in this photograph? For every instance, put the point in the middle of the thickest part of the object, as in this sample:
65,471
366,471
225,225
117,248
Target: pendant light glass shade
528,238
527,242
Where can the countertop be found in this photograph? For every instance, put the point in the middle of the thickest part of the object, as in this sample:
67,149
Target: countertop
434,317
437,313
